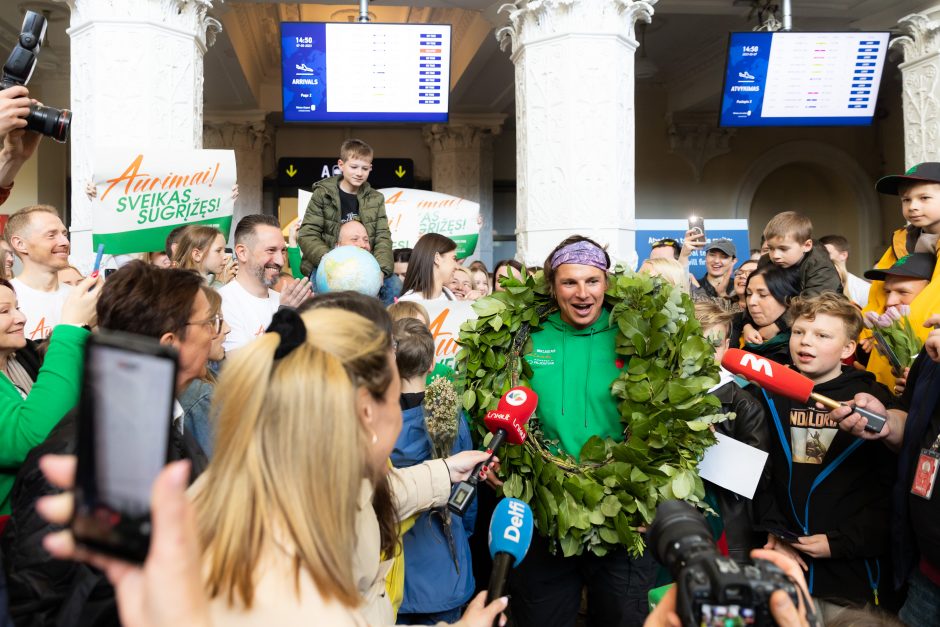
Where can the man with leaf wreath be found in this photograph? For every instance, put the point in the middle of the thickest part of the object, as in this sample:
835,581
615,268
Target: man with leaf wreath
622,371
573,361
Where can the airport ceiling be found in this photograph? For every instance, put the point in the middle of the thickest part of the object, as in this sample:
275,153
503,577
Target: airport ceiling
683,49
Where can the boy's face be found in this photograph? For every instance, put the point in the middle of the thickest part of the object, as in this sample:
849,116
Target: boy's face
355,170
920,204
786,251
718,263
818,346
717,336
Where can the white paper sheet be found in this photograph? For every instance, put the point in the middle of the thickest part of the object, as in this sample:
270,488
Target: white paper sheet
733,465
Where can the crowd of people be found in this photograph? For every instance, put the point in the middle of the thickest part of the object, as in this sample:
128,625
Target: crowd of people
313,447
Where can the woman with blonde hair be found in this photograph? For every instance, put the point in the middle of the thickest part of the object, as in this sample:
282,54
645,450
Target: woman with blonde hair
307,416
202,248
669,270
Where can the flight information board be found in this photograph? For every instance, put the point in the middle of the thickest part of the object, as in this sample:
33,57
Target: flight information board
802,79
365,72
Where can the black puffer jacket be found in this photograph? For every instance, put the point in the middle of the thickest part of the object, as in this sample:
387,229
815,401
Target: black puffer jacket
750,427
45,591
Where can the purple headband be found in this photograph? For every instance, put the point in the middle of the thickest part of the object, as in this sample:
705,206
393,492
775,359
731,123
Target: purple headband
581,253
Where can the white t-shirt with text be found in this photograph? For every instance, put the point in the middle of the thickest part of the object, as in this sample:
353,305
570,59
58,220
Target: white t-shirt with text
43,310
246,314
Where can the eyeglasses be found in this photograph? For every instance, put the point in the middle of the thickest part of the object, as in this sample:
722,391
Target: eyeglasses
215,321
744,273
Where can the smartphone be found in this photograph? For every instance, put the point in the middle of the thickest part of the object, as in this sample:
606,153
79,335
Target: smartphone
109,271
786,535
125,416
229,251
697,224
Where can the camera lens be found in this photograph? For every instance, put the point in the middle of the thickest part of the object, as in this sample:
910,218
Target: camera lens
678,532
50,121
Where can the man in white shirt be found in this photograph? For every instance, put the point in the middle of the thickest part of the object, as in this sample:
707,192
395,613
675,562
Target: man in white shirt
248,302
857,287
41,241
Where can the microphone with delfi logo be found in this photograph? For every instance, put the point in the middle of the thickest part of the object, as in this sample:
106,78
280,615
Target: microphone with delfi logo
509,539
507,424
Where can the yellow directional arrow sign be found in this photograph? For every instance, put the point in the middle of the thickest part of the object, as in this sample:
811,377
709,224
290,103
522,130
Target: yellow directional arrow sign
291,170
400,172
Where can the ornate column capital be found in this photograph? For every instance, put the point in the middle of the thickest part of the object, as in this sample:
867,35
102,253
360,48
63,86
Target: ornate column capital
696,138
244,130
535,20
187,16
921,36
464,131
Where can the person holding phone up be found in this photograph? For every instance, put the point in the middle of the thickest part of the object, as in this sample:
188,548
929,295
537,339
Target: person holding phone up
34,399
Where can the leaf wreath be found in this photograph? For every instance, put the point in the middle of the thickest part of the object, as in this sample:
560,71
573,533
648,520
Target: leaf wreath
597,503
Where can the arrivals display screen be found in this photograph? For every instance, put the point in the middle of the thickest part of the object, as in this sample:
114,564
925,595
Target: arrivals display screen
355,72
802,79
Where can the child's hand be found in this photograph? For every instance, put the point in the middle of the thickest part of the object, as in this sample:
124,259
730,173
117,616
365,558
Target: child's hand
235,192
867,344
901,382
816,546
770,331
751,335
292,234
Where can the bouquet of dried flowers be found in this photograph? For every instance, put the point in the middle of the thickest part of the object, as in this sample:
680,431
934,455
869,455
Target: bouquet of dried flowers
441,413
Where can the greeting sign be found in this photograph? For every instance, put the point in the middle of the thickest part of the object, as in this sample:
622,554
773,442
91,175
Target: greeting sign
414,212
142,195
446,317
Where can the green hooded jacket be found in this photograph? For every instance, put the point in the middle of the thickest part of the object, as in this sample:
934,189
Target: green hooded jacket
573,370
319,228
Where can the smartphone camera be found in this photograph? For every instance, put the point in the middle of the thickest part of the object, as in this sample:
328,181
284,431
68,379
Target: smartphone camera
125,415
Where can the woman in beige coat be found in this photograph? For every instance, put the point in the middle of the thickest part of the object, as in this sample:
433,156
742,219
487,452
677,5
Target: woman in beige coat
307,419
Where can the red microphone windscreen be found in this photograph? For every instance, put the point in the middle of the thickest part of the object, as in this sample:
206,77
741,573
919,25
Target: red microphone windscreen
514,410
768,374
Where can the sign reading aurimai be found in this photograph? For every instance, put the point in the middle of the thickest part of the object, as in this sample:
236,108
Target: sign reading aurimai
141,195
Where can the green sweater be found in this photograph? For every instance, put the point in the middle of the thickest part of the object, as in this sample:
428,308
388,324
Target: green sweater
25,423
573,372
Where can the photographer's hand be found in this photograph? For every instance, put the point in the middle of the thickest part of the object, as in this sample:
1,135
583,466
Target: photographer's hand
781,606
14,107
664,614
784,548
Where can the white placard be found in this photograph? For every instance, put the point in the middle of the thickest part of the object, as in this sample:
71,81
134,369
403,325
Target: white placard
733,465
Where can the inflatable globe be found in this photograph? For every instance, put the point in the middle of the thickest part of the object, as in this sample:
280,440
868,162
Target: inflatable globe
349,268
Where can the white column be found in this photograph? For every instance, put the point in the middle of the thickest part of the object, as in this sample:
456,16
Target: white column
920,94
574,121
462,166
248,138
136,78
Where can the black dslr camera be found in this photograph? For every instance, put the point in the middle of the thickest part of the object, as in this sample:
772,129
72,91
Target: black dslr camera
18,70
712,590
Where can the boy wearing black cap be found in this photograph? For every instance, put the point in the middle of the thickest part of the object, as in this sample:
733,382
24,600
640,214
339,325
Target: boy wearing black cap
919,191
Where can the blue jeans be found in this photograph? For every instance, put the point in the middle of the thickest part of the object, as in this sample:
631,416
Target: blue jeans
923,602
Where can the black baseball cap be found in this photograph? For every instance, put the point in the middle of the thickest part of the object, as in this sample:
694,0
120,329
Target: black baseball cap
927,172
724,245
914,266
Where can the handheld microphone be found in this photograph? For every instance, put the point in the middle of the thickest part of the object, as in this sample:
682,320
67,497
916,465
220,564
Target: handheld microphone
784,381
506,423
509,539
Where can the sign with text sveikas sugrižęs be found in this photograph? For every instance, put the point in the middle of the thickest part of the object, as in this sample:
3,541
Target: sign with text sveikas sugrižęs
143,194
303,172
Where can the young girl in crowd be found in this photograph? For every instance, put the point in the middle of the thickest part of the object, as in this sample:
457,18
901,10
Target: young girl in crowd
202,248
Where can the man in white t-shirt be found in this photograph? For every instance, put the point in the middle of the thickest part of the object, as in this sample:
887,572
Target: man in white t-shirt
838,248
41,241
248,302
